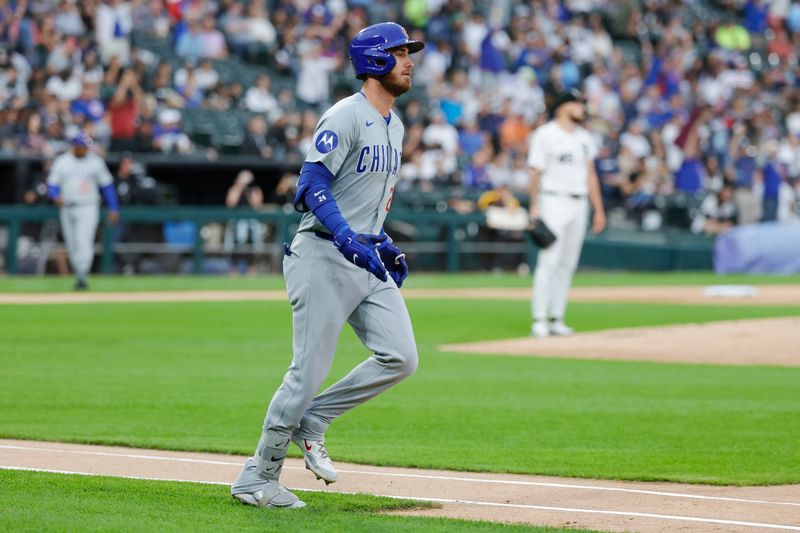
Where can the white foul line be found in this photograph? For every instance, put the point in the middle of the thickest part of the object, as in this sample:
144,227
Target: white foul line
417,476
571,486
126,455
463,502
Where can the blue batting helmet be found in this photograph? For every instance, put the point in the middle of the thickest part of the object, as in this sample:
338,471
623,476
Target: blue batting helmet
82,139
369,49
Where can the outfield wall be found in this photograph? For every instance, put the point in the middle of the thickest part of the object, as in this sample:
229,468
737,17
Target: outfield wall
434,241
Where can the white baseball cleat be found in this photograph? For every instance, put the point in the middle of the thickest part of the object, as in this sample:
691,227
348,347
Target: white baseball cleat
317,459
271,494
540,329
557,327
251,489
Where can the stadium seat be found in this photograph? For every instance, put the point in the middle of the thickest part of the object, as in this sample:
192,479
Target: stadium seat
631,50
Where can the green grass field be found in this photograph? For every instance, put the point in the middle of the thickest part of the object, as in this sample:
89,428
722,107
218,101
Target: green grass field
83,503
198,376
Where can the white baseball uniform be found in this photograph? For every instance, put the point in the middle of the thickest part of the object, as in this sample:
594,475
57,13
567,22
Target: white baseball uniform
563,159
78,180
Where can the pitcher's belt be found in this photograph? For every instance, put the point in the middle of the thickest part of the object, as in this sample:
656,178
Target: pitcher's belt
566,194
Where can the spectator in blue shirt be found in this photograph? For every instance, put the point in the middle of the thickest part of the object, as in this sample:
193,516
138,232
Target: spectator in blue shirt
88,105
772,184
755,16
565,72
492,59
471,139
476,175
190,44
608,172
793,18
689,178
168,136
745,167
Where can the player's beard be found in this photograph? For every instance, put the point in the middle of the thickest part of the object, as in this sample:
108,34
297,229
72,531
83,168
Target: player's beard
395,85
576,118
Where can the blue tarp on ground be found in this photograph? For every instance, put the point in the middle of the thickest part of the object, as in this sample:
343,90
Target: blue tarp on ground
768,248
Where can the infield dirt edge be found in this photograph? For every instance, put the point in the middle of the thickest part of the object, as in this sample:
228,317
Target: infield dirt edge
563,502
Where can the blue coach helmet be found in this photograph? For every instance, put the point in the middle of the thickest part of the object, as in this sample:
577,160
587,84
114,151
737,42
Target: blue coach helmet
369,49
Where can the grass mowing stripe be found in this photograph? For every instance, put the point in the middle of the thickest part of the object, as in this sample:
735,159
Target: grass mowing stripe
416,280
36,501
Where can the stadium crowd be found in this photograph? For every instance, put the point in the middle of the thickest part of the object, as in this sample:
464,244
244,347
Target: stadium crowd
685,99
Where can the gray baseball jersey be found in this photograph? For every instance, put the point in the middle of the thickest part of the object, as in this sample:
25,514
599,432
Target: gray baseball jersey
79,178
354,142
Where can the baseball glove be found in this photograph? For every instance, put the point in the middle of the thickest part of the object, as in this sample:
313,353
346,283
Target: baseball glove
541,234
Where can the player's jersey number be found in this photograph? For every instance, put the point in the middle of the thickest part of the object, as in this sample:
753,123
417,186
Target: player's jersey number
389,201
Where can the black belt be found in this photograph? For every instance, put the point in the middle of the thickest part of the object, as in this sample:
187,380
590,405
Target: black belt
323,235
569,195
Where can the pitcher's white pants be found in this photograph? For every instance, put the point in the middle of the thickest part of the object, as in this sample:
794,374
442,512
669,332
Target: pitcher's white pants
79,226
567,218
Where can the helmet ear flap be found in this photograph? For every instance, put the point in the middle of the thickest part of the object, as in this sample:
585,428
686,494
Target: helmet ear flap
377,62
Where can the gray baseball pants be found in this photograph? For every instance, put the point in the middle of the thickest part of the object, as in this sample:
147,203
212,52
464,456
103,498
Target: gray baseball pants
79,227
325,292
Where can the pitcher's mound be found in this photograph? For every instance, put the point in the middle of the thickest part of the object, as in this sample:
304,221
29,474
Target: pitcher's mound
770,341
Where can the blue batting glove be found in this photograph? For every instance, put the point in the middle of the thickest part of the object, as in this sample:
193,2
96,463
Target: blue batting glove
359,249
395,261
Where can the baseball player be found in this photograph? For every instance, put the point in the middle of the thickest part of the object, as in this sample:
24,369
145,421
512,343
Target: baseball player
73,186
341,267
561,156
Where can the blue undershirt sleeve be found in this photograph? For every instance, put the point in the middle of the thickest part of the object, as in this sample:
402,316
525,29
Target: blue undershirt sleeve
314,194
53,191
110,196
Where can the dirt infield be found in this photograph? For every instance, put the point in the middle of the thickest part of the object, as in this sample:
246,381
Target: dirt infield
680,294
764,295
765,341
603,505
